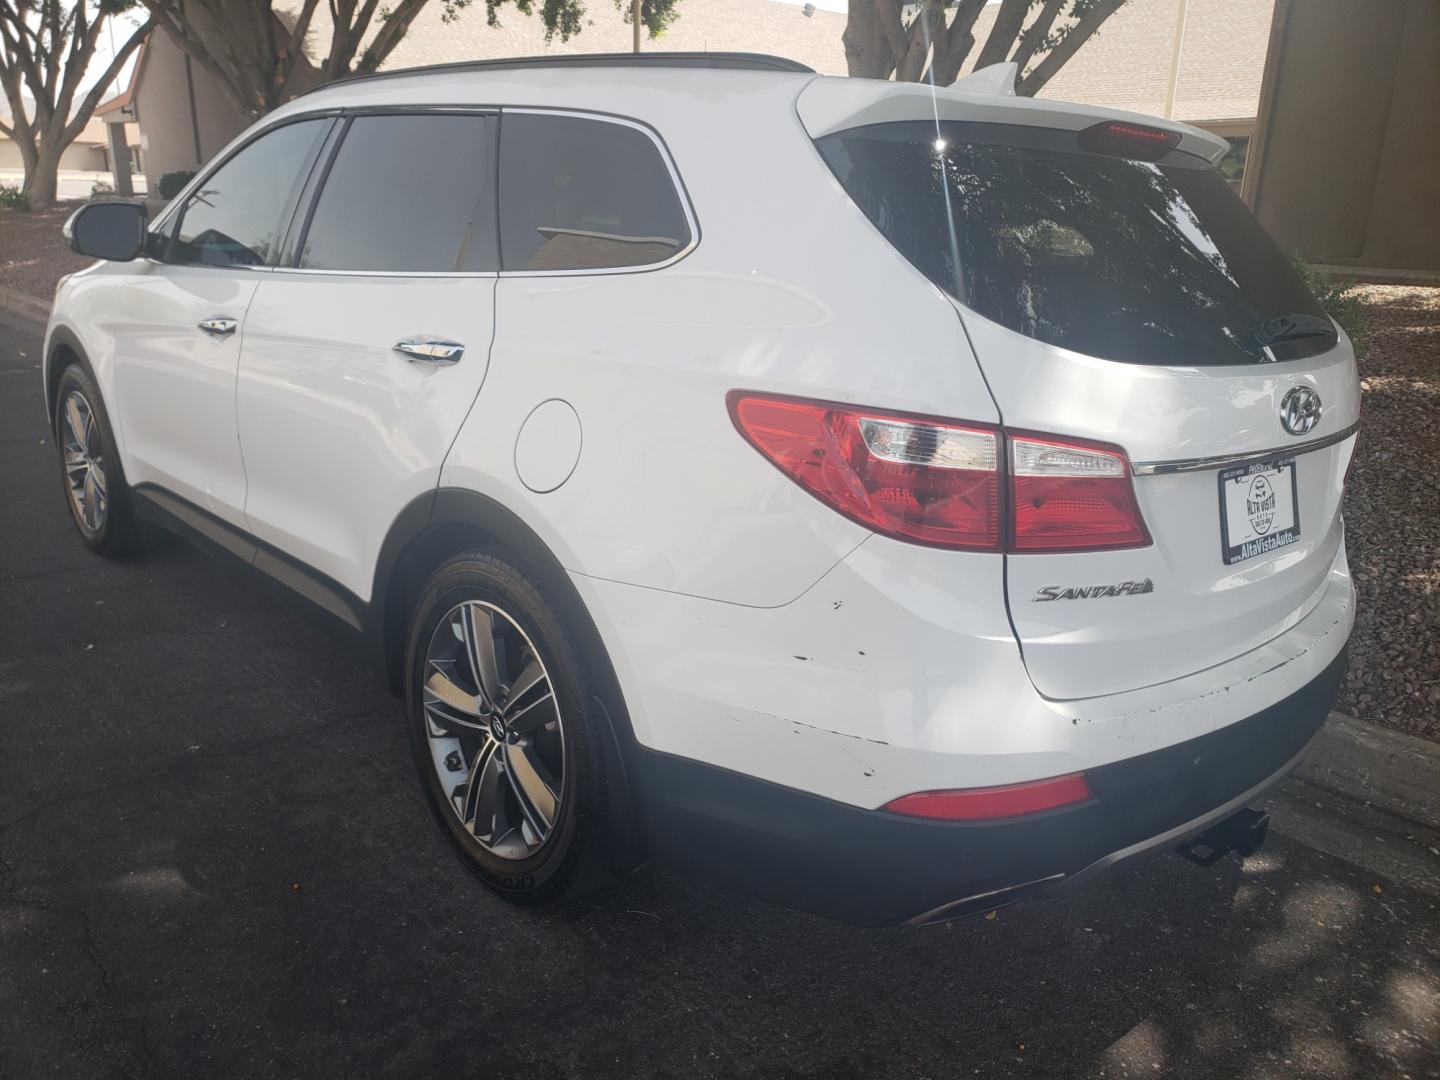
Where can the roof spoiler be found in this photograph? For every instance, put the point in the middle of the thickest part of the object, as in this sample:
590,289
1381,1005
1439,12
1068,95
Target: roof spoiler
827,105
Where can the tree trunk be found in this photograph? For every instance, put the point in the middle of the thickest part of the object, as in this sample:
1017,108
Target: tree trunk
41,177
867,50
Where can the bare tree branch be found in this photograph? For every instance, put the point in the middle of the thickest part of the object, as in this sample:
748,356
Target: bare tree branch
929,25
879,44
91,100
959,40
1003,32
46,47
1035,36
1076,35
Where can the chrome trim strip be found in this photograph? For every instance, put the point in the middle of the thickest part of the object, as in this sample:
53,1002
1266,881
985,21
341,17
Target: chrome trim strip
938,914
1162,468
384,273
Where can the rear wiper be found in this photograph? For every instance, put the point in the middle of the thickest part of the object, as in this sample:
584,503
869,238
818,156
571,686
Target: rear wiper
1290,327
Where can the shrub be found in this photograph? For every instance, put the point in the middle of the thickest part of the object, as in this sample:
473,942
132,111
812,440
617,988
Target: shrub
12,198
100,189
172,182
1342,302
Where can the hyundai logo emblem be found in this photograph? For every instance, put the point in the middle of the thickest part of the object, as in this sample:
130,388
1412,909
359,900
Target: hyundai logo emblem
1299,410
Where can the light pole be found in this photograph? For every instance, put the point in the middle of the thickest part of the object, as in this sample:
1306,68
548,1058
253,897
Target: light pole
635,22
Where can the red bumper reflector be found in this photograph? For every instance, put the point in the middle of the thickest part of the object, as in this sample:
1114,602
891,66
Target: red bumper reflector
984,804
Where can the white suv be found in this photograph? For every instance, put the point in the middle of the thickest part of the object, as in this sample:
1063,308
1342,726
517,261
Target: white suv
890,501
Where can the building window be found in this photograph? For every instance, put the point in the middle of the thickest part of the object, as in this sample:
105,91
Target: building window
1232,165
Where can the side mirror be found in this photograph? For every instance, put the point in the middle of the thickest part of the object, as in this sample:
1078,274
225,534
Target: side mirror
108,230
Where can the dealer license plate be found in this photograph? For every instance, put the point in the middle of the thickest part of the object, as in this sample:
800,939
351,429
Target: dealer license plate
1259,509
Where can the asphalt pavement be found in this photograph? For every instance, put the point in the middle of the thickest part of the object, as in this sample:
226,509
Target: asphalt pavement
215,861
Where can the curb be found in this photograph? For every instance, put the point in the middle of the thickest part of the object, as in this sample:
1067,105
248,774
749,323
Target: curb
23,311
1387,770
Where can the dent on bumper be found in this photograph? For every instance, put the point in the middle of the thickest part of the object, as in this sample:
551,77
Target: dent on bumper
881,682
875,868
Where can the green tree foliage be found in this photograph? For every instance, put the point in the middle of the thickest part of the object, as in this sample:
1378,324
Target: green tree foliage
1341,301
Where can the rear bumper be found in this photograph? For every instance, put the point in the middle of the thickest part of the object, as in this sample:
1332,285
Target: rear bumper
875,868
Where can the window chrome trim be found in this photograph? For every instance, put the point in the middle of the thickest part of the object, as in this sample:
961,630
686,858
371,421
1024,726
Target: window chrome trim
1251,457
313,270
166,217
676,183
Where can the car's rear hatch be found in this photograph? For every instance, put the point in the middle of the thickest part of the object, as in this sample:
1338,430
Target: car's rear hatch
1113,288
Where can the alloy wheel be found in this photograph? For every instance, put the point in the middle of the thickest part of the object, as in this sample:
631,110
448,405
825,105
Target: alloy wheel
495,733
84,461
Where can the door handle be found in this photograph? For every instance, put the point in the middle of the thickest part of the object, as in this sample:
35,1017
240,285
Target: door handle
426,350
218,327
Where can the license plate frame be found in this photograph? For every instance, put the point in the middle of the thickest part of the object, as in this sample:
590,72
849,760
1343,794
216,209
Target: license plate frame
1253,512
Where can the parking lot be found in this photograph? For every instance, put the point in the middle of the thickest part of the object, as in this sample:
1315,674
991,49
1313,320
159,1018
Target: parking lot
215,861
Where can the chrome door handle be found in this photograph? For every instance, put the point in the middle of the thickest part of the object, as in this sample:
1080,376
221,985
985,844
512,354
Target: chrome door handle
218,327
425,350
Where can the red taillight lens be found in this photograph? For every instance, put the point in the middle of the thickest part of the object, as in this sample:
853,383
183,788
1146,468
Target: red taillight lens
939,482
985,804
1072,496
927,481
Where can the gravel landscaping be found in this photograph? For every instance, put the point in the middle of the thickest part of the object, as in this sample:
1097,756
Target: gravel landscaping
33,255
1392,515
1392,505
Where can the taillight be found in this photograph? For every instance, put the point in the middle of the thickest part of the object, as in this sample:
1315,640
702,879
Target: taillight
1072,496
927,481
941,482
987,804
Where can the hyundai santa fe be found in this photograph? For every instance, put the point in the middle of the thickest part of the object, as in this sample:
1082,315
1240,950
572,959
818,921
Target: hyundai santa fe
890,501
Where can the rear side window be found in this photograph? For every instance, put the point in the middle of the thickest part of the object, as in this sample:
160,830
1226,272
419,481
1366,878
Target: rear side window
1138,261
584,194
234,218
413,192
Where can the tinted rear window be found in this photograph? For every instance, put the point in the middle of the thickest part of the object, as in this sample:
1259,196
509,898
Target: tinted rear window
1143,262
582,194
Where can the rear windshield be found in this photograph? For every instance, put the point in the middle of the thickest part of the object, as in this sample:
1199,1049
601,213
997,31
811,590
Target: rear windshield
1138,261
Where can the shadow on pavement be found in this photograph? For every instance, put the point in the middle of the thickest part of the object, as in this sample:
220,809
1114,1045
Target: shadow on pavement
215,860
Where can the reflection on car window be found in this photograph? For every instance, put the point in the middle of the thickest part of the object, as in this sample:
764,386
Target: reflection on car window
413,192
233,217
1148,263
581,194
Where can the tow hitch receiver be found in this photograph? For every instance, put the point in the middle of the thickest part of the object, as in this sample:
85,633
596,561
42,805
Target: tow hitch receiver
1242,832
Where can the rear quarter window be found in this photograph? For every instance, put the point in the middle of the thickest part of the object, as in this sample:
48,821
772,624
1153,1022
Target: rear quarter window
580,193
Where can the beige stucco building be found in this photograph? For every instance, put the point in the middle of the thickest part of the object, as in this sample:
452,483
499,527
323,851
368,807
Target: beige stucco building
1346,164
1195,60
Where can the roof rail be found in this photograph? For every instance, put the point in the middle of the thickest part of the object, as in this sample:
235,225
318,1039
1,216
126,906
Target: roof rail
734,61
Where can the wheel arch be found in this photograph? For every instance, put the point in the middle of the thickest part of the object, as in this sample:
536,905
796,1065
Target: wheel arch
448,521
62,349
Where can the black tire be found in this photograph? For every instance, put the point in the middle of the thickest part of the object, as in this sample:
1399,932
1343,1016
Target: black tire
113,531
572,857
